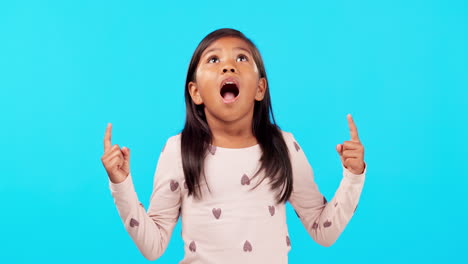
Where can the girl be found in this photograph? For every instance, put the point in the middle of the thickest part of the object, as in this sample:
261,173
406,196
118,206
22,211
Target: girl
230,171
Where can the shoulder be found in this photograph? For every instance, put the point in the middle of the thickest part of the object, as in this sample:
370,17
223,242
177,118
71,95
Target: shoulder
299,161
290,141
172,145
288,137
170,154
174,140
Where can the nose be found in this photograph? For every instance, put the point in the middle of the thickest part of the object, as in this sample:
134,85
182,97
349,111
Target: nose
226,69
229,66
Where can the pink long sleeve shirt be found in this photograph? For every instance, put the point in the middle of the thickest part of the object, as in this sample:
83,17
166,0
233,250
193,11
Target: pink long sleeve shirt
231,223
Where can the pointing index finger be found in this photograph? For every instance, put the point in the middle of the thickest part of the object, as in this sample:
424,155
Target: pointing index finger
107,137
352,128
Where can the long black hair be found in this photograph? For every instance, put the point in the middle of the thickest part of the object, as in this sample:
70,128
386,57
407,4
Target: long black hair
196,135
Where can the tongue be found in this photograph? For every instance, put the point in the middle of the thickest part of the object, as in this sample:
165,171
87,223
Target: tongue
229,96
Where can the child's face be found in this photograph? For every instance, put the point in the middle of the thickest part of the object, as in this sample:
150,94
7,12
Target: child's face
227,81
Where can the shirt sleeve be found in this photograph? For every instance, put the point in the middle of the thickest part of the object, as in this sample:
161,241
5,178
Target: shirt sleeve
324,220
151,231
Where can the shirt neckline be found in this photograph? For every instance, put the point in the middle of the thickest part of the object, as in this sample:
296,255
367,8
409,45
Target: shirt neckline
256,146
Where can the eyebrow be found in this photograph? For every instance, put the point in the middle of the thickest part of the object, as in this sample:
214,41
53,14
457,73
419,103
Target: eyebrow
215,49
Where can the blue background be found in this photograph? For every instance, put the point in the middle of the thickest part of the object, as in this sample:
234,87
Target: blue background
399,67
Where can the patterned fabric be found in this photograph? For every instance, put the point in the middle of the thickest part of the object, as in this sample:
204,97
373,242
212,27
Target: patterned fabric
233,223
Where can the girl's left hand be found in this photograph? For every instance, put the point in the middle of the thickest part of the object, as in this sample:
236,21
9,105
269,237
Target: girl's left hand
352,152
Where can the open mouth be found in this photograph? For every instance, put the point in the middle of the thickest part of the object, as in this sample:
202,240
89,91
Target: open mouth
229,90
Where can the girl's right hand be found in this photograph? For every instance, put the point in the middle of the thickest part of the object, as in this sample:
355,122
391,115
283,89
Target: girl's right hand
116,161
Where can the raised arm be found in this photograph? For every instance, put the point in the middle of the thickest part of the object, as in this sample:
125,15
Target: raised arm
324,220
151,231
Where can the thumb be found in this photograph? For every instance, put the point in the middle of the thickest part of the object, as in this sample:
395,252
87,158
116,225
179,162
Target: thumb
126,156
339,149
126,153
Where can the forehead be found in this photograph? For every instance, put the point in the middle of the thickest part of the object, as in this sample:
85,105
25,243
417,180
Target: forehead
228,43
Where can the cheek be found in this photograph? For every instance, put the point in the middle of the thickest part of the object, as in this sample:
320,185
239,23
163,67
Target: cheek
206,73
252,81
207,69
207,83
255,68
